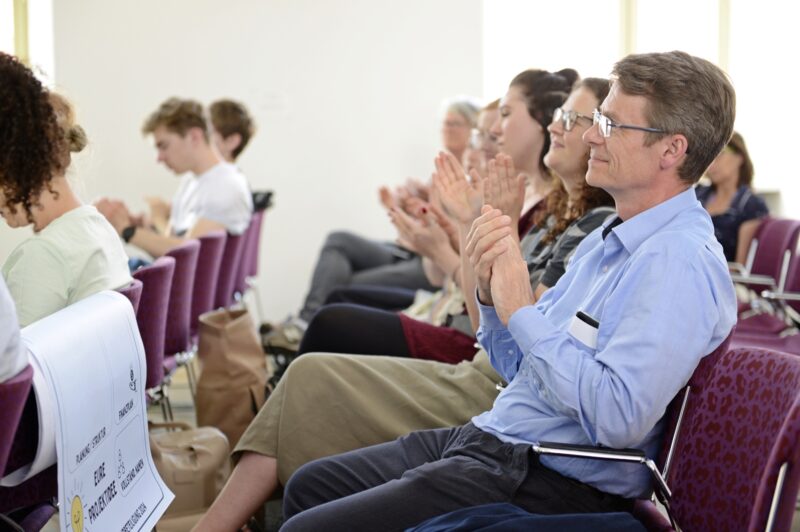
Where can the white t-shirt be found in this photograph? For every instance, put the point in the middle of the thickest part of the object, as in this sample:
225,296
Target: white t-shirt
220,194
12,357
78,254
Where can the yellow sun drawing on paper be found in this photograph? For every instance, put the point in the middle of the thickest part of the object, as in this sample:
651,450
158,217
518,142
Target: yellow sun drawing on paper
77,514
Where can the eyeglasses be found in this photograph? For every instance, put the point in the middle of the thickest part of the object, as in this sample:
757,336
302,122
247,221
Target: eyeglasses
478,138
606,124
568,118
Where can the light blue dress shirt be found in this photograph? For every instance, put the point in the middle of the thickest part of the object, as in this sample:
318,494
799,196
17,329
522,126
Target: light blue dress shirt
659,286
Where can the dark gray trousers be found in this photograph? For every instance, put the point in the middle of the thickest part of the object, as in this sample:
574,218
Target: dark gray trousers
347,259
399,484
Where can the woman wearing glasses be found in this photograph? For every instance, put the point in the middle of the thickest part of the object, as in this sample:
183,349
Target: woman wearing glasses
525,111
328,404
729,199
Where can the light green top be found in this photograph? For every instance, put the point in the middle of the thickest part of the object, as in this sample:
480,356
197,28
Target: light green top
78,254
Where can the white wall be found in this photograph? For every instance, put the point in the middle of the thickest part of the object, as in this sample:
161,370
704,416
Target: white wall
346,95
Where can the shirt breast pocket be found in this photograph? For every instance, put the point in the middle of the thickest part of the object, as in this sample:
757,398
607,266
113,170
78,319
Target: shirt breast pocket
584,329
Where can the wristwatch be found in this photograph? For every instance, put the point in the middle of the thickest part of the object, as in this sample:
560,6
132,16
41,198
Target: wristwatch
128,233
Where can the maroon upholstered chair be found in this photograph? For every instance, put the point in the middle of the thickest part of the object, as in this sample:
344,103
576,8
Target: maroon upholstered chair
28,505
735,459
781,308
178,339
770,251
133,291
156,279
209,259
231,257
248,266
13,394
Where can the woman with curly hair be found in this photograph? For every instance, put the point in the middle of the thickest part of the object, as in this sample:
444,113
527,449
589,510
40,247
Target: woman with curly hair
75,252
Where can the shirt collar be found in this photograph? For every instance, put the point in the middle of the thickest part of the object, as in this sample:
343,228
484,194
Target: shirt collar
633,232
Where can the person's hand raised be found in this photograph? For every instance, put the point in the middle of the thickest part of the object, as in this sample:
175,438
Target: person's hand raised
488,238
504,189
461,198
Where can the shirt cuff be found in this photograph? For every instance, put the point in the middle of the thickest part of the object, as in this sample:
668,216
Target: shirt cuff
489,319
527,326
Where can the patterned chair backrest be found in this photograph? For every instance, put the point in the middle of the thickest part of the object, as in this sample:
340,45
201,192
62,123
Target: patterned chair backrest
179,314
156,281
740,425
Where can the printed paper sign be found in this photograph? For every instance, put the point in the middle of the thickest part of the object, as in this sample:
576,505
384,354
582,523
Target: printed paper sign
91,356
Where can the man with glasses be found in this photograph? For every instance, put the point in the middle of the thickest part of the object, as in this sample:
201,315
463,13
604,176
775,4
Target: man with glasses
599,357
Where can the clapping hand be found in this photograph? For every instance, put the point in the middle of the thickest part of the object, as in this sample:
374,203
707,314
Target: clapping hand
460,198
504,189
423,235
501,272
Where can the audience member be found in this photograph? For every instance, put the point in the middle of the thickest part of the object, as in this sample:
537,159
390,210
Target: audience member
74,252
525,113
460,118
212,195
483,144
735,210
232,127
348,259
357,401
655,287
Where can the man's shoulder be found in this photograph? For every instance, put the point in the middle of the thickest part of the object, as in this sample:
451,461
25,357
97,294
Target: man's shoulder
687,235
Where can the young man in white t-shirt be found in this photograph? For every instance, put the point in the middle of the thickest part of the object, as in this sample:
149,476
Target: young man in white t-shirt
212,195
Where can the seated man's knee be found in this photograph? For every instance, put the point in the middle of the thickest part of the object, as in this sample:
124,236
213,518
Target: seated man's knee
300,492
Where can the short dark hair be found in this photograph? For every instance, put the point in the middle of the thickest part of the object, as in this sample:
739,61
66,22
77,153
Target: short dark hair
686,95
229,117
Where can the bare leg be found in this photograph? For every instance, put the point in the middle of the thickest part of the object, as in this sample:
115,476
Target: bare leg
253,480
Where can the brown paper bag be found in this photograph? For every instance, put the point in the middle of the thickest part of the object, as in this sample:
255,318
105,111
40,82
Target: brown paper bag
194,464
231,387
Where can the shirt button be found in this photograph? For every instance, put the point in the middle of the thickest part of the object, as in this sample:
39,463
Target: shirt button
605,269
510,351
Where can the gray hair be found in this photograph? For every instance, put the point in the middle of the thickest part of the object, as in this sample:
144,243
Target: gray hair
466,106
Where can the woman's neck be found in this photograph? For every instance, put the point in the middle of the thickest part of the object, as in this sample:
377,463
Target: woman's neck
726,188
537,185
54,202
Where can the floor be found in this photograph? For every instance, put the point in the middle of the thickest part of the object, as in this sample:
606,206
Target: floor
183,410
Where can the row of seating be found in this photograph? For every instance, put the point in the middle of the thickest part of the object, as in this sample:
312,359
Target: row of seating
168,297
769,313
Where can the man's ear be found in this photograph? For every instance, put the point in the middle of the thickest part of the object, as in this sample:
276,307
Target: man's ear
196,135
232,141
674,148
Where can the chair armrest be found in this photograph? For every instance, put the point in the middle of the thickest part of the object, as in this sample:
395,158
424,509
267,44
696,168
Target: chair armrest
737,269
601,453
764,280
780,296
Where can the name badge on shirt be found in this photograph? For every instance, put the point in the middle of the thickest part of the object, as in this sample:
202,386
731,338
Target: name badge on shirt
584,328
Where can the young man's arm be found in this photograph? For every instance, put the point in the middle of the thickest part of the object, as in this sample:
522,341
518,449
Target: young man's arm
156,244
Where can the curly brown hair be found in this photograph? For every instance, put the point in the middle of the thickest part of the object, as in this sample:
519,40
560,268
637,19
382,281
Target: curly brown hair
589,197
32,145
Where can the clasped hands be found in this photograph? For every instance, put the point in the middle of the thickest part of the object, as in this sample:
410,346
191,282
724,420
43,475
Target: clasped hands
501,272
